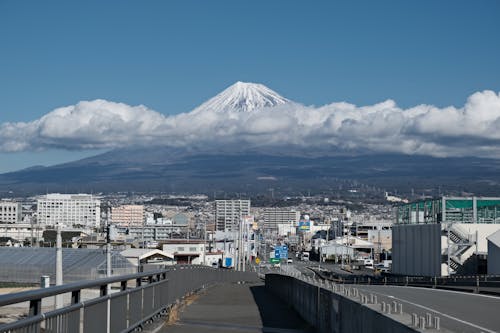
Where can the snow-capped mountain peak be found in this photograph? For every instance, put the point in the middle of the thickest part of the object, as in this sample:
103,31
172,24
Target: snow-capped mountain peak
243,97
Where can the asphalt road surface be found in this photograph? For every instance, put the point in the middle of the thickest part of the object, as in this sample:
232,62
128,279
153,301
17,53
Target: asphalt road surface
459,311
237,308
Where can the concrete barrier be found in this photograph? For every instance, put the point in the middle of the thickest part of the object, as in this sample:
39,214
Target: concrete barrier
328,311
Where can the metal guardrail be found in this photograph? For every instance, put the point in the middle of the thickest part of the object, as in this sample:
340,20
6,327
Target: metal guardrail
488,284
332,307
311,295
139,298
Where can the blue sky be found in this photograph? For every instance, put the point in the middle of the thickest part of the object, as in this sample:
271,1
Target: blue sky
172,56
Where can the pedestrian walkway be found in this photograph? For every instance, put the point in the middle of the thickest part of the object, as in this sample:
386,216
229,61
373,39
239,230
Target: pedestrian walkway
237,308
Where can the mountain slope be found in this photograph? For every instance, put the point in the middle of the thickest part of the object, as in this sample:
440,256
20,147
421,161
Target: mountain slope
243,97
256,173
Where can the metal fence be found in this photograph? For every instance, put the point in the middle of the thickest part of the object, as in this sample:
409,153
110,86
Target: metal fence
135,300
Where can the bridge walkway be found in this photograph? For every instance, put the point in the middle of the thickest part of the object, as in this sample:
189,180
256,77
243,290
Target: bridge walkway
237,308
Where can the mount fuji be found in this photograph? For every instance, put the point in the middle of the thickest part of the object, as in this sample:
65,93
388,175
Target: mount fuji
201,168
243,97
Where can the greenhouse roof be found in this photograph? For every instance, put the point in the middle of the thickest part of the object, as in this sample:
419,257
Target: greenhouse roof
29,264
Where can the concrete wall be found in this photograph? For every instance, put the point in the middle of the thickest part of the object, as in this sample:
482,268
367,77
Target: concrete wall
416,249
493,258
330,312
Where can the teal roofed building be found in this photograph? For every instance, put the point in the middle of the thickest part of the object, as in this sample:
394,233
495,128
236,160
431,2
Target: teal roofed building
444,236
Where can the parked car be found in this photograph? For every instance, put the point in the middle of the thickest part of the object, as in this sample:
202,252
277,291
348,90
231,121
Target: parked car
382,268
289,261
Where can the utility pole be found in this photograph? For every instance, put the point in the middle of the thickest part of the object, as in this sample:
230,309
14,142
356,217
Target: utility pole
343,246
108,251
31,224
108,274
238,247
204,242
59,270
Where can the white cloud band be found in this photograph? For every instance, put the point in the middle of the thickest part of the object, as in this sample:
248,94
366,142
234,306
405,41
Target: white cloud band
472,130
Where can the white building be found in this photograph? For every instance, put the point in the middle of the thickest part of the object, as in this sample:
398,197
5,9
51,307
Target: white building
138,257
186,251
276,216
10,212
228,213
20,231
69,210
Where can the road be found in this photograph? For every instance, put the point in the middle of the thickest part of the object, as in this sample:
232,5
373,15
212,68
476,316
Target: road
238,308
459,311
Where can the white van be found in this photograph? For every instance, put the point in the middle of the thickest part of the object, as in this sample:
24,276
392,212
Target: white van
368,263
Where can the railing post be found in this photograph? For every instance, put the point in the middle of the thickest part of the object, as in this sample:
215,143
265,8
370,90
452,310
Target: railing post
75,296
104,289
35,307
123,285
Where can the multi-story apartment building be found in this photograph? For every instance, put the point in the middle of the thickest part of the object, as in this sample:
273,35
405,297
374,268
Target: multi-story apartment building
69,210
228,213
128,215
275,216
10,212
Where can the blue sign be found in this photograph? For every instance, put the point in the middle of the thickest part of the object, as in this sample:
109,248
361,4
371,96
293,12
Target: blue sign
229,262
281,252
304,225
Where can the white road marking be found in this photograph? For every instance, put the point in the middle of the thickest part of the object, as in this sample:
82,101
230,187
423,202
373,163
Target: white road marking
449,291
435,311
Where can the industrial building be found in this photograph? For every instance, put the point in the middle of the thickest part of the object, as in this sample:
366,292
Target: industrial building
10,212
445,236
228,213
69,210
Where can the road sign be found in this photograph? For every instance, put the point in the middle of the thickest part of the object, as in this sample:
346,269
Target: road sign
304,225
257,261
274,260
281,252
284,254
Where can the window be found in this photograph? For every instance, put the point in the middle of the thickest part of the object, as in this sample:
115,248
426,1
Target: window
180,248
